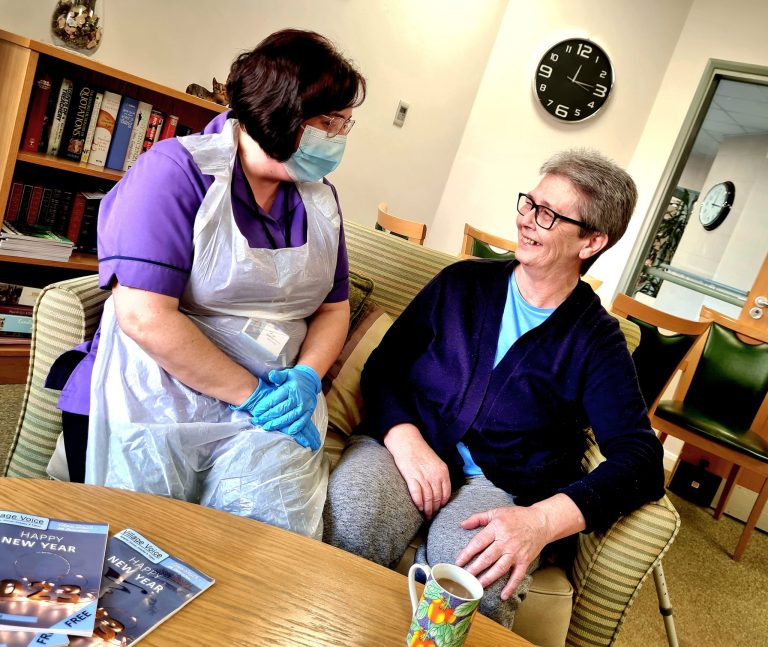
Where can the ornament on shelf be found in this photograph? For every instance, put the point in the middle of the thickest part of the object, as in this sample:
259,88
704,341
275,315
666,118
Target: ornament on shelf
78,24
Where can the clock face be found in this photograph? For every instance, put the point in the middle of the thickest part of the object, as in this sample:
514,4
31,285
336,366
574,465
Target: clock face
573,79
716,205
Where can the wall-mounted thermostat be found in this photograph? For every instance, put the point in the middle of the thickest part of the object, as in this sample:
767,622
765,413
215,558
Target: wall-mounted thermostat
402,110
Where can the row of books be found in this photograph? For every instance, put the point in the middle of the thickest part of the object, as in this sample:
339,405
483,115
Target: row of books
69,583
16,305
78,121
59,210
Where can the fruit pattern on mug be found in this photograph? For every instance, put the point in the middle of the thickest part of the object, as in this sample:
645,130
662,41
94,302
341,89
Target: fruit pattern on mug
441,620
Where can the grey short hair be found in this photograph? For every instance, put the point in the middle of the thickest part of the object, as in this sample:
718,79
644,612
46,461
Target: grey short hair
608,193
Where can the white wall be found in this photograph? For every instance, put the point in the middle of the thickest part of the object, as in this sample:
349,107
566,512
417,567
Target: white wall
508,135
695,172
701,38
431,53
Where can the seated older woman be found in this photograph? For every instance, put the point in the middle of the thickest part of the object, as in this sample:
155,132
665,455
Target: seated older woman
478,396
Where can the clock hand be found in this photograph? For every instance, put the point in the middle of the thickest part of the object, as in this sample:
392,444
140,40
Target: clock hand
584,86
575,75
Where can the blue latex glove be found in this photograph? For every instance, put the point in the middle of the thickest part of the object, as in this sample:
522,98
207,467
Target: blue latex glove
263,390
304,432
294,399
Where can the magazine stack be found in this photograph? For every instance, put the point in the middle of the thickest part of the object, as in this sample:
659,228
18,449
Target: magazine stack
34,241
65,583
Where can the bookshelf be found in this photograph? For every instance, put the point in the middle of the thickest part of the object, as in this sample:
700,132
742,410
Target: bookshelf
21,60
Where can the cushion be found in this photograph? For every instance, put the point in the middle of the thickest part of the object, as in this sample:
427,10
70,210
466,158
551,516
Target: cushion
360,288
342,382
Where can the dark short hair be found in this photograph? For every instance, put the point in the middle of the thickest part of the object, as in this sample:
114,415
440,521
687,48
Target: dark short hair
291,76
607,193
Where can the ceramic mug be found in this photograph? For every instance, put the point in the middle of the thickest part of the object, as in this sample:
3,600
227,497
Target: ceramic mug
444,613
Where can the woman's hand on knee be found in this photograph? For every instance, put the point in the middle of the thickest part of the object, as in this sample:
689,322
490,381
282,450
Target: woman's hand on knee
425,474
511,539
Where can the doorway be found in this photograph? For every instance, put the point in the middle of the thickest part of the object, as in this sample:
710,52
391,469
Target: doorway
707,239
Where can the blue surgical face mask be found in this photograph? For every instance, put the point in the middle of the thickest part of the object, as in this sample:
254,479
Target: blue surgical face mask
316,156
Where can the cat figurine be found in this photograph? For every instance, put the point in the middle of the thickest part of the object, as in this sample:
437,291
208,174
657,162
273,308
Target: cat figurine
218,95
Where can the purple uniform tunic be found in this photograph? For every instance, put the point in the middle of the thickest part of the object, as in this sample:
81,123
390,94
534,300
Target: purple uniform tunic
145,237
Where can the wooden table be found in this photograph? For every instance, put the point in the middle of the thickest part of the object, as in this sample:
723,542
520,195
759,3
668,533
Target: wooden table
272,587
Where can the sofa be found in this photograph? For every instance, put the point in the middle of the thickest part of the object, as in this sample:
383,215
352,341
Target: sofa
582,605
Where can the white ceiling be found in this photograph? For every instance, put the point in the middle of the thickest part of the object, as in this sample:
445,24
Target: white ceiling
737,108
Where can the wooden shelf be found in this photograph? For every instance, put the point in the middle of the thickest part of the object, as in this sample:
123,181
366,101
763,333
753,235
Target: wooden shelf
21,61
75,262
14,363
14,350
68,165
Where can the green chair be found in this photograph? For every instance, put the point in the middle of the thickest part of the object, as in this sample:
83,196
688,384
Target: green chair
665,341
721,406
480,244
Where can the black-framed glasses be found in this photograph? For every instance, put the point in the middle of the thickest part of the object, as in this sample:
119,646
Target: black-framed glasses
544,216
337,125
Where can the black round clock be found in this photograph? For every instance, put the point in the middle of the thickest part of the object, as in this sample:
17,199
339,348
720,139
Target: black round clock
573,79
716,205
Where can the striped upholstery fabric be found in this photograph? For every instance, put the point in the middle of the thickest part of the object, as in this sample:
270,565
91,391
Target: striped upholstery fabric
399,269
65,313
609,567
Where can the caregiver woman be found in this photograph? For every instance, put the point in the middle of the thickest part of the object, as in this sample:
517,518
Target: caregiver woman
225,255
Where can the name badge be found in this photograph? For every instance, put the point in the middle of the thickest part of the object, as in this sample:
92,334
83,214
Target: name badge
267,335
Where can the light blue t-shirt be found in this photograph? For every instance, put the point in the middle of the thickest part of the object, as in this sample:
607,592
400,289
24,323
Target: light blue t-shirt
519,317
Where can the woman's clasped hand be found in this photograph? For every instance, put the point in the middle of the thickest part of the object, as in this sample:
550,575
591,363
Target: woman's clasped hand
288,401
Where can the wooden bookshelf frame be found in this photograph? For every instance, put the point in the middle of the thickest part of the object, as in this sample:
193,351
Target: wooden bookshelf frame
20,60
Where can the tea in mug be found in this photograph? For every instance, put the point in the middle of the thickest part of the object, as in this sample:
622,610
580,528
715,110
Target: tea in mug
455,588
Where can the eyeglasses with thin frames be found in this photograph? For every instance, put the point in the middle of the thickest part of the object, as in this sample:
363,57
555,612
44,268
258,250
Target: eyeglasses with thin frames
337,125
544,216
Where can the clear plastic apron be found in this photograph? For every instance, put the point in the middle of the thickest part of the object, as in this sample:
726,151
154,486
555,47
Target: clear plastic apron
148,432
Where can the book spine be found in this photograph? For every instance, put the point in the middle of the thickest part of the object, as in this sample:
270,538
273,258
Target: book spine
24,311
105,126
45,205
91,127
15,294
169,127
76,217
61,219
53,208
26,195
16,323
159,128
86,239
73,138
122,135
139,130
59,116
153,126
36,114
14,202
35,201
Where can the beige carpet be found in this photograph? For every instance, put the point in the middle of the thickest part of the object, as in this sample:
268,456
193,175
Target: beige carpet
717,602
10,405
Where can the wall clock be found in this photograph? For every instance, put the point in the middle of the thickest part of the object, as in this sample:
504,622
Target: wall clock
716,205
573,79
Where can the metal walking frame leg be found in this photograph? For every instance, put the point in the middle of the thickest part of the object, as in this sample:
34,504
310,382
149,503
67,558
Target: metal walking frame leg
665,605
